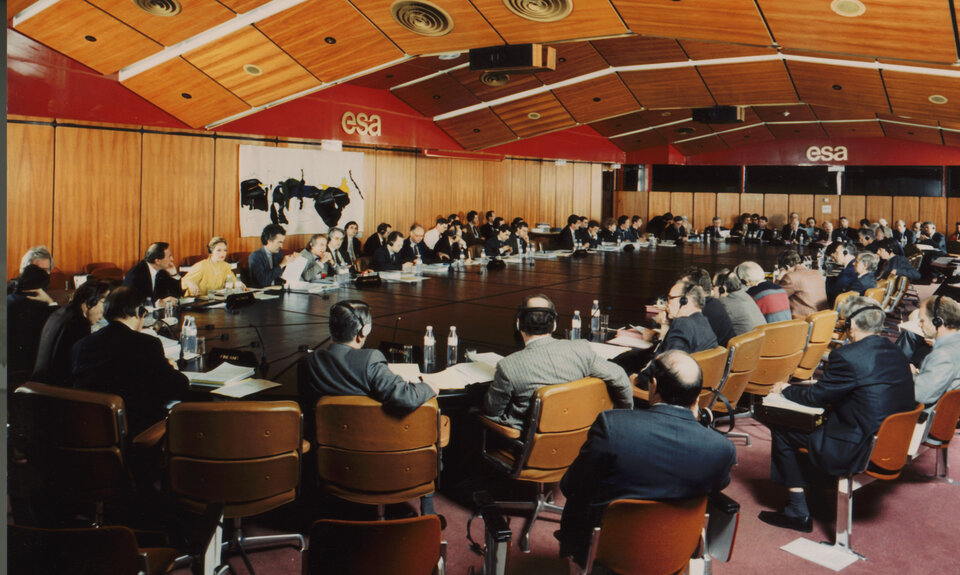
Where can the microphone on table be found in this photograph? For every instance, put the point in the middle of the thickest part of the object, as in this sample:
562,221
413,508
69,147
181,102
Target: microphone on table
396,324
264,366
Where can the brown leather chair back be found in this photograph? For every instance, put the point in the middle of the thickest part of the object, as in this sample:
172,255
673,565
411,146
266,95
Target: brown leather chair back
242,454
838,303
362,263
822,324
561,416
916,260
782,350
944,424
369,456
713,366
74,438
899,290
892,444
743,354
650,537
877,294
399,547
95,266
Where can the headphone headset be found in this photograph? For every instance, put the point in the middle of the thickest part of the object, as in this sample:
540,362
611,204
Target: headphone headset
549,311
936,320
848,321
365,328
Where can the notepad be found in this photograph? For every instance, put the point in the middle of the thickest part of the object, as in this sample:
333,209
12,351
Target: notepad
606,350
245,387
224,374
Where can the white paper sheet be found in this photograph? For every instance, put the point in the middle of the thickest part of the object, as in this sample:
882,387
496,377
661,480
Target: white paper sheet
245,387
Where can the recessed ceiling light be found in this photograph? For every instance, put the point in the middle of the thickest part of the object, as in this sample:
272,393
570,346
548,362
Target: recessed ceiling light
89,38
685,130
848,8
533,115
476,130
937,99
186,96
436,96
596,99
449,56
422,17
909,133
330,40
665,114
837,87
561,59
252,69
540,10
786,113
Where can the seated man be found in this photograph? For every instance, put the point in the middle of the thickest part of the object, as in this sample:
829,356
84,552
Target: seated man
904,235
659,453
471,232
346,368
436,232
865,265
794,234
636,228
715,312
895,264
864,382
387,257
713,232
624,230
318,259
593,237
267,263
546,361
28,308
771,298
335,239
156,276
825,234
377,240
414,248
940,370
486,230
805,288
843,255
867,240
845,233
119,359
675,232
931,237
568,235
497,245
519,241
350,248
743,311
65,328
582,230
955,236
763,231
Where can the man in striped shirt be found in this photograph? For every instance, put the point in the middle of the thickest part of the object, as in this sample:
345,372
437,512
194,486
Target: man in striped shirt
771,298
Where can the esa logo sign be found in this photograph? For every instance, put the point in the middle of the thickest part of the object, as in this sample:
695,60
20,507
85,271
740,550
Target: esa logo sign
360,123
827,153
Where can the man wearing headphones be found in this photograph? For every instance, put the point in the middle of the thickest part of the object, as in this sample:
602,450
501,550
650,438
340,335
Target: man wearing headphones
843,255
377,240
156,276
864,382
546,361
267,263
740,306
345,368
940,370
119,359
636,454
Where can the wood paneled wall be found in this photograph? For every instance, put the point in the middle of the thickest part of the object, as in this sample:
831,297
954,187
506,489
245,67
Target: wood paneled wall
103,193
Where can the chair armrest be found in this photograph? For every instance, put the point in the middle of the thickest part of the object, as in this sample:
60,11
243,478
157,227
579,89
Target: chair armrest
444,430
502,430
151,436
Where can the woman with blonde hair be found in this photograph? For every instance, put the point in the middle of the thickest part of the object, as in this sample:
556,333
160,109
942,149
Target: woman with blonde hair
212,273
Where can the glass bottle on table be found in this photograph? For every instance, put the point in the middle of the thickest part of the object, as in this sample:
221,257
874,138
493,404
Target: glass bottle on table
429,351
595,318
575,325
188,337
453,346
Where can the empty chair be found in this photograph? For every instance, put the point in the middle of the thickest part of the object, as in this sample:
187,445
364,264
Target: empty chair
782,350
556,428
95,266
713,366
647,537
942,430
368,456
89,551
400,547
822,324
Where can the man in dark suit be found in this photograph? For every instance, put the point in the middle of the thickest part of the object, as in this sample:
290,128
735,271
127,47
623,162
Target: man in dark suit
866,267
350,249
119,359
863,383
377,240
867,241
267,263
654,454
471,232
156,276
65,328
387,258
845,233
793,234
895,264
903,234
931,237
675,232
568,235
713,232
843,255
487,230
713,310
28,308
414,247
519,241
497,245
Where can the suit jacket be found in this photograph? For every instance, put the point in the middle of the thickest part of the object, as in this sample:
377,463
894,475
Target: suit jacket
940,370
690,334
937,241
492,247
383,260
672,233
372,244
794,236
409,254
743,311
821,235
905,238
863,383
713,232
903,267
345,249
314,270
841,282
130,364
806,290
863,283
164,286
265,268
659,453
720,321
518,245
566,238
486,230
452,251
55,353
472,234
25,320
845,235
548,361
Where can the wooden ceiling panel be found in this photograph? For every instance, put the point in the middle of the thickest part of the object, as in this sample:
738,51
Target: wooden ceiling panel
167,84
951,138
597,99
574,59
620,124
701,146
436,64
639,141
672,88
684,130
66,25
736,21
357,44
839,86
853,129
787,131
389,77
747,136
639,50
795,113
909,120
243,6
903,30
476,130
471,80
194,18
658,117
824,113
553,116
589,19
910,95
749,83
14,7
225,62
437,95
697,50
912,133
470,30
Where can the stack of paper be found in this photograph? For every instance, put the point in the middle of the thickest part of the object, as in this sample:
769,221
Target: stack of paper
408,371
605,350
171,347
224,374
454,377
489,358
245,387
632,337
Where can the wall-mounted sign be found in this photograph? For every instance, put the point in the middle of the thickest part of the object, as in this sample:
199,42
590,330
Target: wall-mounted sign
827,153
363,124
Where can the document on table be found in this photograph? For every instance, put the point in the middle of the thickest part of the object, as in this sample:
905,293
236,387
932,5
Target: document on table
293,271
400,277
606,350
489,358
245,387
224,374
408,371
781,402
631,338
461,375
171,347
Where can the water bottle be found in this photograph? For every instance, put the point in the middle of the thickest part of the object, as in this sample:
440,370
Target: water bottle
575,325
595,318
619,242
429,351
343,275
453,346
418,266
188,337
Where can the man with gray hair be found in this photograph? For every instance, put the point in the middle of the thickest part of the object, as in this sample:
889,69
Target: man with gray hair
865,265
864,382
940,371
39,256
771,298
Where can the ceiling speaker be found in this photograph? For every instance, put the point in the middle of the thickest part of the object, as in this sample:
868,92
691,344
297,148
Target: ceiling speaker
540,10
495,79
166,8
422,17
